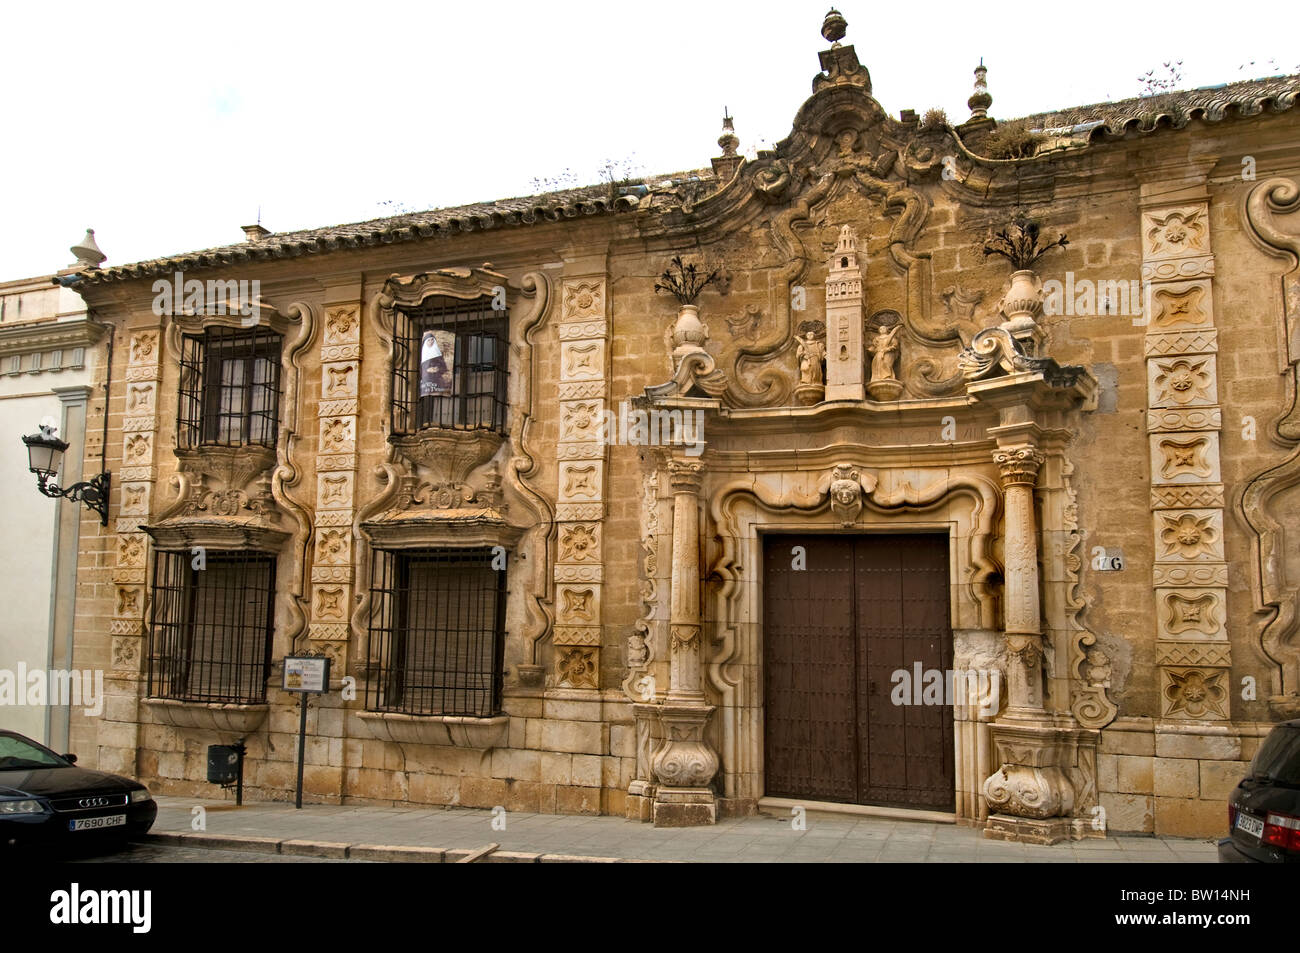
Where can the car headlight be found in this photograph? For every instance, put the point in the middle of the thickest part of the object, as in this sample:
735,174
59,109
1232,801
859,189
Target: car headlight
141,795
21,807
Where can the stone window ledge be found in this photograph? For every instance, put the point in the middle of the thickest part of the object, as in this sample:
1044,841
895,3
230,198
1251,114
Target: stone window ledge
235,719
454,730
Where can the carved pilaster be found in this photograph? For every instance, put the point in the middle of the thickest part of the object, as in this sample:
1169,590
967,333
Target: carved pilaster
582,454
1184,420
139,476
333,569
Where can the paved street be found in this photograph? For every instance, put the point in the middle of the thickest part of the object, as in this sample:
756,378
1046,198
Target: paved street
150,853
277,830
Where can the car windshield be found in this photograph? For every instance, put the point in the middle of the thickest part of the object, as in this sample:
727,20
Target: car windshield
1278,758
16,753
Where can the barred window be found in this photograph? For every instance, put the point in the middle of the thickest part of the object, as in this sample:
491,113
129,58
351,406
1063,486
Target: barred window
230,388
211,626
436,632
450,366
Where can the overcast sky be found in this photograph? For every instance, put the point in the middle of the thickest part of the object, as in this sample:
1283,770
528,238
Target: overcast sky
166,127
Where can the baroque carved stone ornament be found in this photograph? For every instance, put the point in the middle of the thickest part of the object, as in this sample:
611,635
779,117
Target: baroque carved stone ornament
1019,465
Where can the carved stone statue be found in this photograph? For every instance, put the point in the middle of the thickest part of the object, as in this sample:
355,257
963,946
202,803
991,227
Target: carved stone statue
811,388
884,350
811,353
884,353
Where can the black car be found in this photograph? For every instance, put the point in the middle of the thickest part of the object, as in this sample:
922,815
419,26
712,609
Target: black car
1264,809
47,800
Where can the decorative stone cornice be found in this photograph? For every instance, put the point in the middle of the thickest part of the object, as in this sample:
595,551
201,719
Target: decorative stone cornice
456,528
411,290
48,335
183,534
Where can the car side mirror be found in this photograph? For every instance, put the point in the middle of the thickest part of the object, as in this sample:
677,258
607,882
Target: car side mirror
70,758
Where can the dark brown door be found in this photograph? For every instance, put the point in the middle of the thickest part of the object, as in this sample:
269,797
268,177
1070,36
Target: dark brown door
842,616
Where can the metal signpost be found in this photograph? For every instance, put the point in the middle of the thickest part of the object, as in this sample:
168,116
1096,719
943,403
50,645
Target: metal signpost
307,675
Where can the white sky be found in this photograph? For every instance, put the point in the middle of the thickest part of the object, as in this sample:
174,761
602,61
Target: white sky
165,126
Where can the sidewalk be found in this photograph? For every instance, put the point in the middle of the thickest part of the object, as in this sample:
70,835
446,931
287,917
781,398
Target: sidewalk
454,833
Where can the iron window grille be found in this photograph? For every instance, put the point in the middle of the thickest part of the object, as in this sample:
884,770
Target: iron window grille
229,388
437,632
210,628
473,394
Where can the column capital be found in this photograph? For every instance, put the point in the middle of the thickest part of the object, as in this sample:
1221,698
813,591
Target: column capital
685,476
1018,465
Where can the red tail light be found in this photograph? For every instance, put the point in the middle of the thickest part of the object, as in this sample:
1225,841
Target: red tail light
1232,817
1281,830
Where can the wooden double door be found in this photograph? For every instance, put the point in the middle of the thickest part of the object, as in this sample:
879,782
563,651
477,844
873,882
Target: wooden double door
842,616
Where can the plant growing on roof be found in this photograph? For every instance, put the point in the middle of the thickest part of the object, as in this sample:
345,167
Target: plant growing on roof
934,120
1018,243
1012,139
684,282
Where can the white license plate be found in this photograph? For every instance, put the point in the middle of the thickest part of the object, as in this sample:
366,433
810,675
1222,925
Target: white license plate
1251,825
112,820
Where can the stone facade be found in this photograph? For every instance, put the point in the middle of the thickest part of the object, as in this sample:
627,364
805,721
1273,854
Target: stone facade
958,396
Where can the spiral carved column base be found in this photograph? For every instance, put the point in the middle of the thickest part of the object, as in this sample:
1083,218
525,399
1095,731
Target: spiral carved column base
683,767
1030,796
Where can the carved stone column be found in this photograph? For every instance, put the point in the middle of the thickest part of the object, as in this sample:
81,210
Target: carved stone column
1030,795
684,605
685,764
1019,471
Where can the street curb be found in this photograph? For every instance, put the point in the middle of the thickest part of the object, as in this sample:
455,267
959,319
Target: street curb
379,853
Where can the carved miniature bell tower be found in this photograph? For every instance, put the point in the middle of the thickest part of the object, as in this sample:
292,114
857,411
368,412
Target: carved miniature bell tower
845,379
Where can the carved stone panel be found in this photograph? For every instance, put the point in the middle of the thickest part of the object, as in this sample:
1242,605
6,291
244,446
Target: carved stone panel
1190,614
1182,381
1189,535
1194,692
583,360
1185,458
581,481
1175,232
1180,306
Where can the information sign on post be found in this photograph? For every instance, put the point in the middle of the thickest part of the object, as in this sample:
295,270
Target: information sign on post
306,675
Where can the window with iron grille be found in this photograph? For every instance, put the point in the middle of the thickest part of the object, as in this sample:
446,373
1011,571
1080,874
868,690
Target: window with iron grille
450,366
437,632
230,388
211,626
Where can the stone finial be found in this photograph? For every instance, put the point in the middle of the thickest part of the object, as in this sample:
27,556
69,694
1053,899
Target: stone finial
725,165
728,140
980,100
87,252
254,233
834,27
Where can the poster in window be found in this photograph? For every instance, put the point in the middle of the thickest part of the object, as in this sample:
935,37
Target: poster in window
437,352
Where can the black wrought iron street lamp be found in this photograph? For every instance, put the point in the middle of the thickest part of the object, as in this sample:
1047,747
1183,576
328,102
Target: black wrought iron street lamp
45,454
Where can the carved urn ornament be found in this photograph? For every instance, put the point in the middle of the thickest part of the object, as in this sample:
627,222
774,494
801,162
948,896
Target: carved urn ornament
1022,302
685,283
